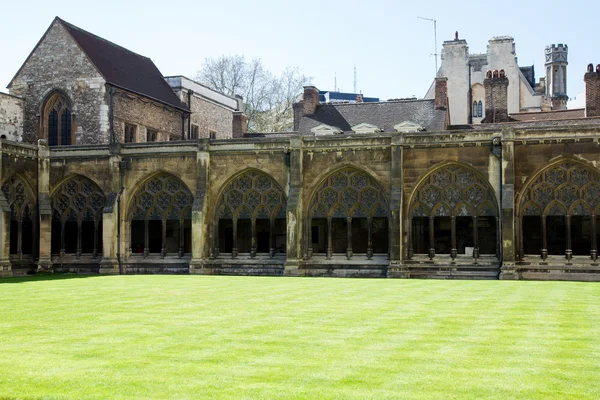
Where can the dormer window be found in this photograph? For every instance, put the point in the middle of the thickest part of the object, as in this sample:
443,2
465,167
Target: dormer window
408,126
366,128
325,130
57,120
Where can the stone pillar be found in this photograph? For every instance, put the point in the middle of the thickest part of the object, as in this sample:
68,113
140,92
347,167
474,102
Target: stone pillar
397,220
110,217
507,205
45,214
294,209
5,216
200,238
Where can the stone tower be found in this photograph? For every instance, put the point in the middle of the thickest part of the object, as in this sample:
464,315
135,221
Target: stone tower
556,75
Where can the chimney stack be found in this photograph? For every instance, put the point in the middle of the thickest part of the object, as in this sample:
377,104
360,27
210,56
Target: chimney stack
359,98
239,125
592,91
441,93
496,103
310,100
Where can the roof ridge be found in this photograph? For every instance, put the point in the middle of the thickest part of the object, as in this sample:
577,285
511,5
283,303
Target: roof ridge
376,102
70,25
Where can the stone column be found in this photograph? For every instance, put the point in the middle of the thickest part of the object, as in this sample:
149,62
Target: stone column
294,208
397,220
45,214
110,216
505,143
5,216
200,221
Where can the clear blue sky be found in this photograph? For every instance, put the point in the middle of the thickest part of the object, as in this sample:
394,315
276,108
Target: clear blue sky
383,38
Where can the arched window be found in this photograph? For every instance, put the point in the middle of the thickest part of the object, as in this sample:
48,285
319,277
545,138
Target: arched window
250,216
348,214
452,210
161,217
129,133
77,207
479,109
474,113
22,216
558,212
57,120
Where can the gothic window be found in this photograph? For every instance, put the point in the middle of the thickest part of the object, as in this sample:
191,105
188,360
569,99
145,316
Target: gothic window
250,216
22,216
57,120
130,133
558,211
479,109
453,211
348,214
212,135
474,109
151,135
77,207
161,217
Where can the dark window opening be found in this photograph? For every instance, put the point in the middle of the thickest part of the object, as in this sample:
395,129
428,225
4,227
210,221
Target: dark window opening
195,130
137,236
14,236
442,231
212,135
464,234
360,235
151,136
154,236
244,235
27,237
56,236
532,234
53,128
339,230
263,233
71,232
130,133
319,237
420,235
380,236
225,235
172,236
487,235
581,235
556,229
87,237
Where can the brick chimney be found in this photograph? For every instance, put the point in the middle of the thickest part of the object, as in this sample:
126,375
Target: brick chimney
592,91
239,125
310,100
359,98
496,103
441,93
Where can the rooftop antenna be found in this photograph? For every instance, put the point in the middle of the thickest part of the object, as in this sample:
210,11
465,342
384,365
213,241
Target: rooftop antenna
335,82
355,79
435,54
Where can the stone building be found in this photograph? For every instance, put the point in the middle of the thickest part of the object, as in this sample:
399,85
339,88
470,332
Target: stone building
466,74
384,189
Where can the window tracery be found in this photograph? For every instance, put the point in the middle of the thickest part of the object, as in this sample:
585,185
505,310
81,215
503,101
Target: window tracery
22,215
160,215
58,120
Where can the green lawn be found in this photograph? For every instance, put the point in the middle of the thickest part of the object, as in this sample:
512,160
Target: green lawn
242,337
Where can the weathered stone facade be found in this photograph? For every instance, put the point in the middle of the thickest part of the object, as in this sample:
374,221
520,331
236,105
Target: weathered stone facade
58,64
11,117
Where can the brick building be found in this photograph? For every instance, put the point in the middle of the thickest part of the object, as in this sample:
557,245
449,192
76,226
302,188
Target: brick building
381,189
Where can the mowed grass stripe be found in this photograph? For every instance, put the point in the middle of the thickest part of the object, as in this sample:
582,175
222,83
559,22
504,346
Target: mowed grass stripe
239,337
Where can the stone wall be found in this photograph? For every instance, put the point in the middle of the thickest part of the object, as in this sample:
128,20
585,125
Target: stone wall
59,64
210,116
11,117
145,114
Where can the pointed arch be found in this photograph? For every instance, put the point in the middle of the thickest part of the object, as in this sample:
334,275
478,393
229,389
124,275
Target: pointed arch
77,204
57,119
159,214
21,199
255,218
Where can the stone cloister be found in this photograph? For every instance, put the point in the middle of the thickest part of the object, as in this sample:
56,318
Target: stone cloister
503,202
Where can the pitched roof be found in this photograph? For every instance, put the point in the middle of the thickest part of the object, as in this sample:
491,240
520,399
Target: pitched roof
124,68
120,67
384,115
549,115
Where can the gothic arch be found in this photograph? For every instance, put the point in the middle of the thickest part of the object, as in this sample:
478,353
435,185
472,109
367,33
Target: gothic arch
160,213
349,202
21,199
339,166
457,192
57,119
77,205
563,191
249,215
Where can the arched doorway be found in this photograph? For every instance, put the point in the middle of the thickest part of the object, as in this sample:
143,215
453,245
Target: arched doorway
160,217
23,215
250,217
453,211
57,119
558,212
348,214
77,207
